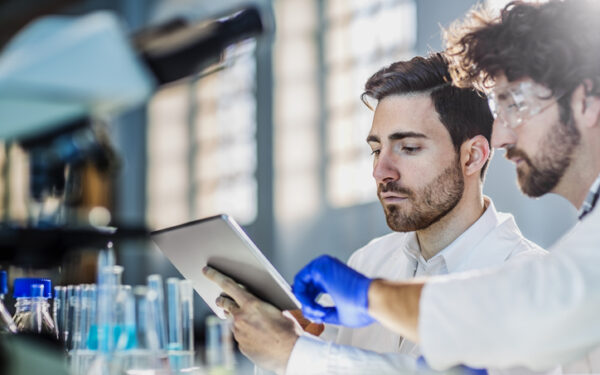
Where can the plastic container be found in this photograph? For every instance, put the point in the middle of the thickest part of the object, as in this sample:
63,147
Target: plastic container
32,306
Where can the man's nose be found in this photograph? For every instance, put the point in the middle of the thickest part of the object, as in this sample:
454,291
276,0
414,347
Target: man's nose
385,169
502,136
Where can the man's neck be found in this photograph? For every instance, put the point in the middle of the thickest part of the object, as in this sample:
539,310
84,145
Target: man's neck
439,235
575,184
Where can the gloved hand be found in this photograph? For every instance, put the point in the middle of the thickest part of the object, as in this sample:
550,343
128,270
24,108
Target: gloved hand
348,289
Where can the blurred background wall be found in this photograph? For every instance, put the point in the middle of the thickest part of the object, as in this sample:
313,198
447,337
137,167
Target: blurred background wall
275,137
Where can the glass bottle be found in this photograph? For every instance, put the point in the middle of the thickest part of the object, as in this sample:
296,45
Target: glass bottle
32,307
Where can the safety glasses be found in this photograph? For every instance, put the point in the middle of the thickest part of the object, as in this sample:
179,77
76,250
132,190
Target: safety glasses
514,103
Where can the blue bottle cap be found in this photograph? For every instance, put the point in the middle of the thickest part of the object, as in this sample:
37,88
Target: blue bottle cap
37,290
22,287
3,283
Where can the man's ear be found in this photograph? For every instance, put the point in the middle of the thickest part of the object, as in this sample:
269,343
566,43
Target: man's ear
475,152
586,108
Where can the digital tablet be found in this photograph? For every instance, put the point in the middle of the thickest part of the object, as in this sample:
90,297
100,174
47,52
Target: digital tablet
219,242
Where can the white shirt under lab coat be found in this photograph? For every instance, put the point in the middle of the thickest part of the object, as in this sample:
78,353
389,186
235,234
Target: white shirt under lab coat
536,313
493,239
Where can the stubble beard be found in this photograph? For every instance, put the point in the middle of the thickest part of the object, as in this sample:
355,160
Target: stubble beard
427,205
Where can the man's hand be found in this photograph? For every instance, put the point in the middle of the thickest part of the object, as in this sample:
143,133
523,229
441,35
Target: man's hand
263,333
348,289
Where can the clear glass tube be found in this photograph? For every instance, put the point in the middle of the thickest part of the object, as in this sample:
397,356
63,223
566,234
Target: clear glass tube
145,317
68,316
59,310
84,338
75,305
124,310
109,279
106,258
37,308
88,314
155,283
174,313
101,337
187,314
146,356
116,273
220,356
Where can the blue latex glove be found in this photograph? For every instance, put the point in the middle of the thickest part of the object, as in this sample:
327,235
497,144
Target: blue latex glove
348,289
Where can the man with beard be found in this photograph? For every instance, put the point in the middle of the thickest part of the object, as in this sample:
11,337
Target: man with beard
540,64
430,146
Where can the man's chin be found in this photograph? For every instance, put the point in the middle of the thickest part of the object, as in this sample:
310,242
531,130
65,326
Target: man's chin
529,188
400,223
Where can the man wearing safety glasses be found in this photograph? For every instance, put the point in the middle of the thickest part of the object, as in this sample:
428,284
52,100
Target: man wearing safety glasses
540,65
515,103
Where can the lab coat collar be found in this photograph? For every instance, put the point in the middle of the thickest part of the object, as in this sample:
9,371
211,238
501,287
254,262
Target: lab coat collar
455,254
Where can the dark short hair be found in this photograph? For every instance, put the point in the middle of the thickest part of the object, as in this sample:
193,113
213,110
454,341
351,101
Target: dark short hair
463,111
556,44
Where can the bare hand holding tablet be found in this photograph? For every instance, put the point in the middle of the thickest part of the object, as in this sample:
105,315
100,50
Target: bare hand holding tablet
220,243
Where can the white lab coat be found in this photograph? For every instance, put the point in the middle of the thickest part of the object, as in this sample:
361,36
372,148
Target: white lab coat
493,239
537,313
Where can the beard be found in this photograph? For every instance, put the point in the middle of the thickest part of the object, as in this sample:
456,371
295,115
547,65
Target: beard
428,204
541,174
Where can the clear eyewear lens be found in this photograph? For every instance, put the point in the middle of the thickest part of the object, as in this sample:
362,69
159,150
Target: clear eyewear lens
519,103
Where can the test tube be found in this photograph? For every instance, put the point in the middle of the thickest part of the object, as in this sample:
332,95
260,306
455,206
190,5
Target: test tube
75,305
155,283
109,278
187,314
146,335
106,257
37,310
83,317
174,312
116,274
124,308
68,316
59,310
220,356
88,315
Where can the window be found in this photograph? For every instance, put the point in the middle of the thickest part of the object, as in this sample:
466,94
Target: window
202,145
324,53
360,38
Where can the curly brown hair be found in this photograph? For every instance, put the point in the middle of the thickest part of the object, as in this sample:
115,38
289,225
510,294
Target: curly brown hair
556,44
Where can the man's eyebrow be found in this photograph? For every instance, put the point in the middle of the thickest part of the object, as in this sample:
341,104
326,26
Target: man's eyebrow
396,136
373,138
402,135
